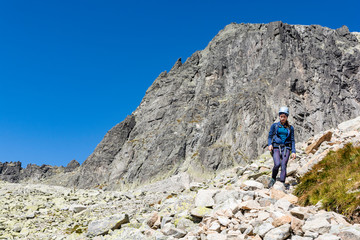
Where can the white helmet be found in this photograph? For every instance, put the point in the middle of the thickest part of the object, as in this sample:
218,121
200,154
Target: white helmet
284,110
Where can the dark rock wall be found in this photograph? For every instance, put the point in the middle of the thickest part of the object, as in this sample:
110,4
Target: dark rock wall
10,171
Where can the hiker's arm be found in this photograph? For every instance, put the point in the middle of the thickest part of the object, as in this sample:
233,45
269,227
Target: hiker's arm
270,137
293,149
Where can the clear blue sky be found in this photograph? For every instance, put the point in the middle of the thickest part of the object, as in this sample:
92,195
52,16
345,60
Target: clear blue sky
71,70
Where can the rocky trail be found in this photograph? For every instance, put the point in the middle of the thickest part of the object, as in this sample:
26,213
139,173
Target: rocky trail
235,204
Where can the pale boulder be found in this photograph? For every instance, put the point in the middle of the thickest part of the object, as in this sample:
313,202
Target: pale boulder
296,225
281,221
252,185
204,198
319,225
279,233
103,226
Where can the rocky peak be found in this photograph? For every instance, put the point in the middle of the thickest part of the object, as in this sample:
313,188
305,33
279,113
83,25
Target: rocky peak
13,171
214,110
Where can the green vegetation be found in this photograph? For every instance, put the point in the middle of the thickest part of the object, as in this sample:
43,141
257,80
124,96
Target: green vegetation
335,181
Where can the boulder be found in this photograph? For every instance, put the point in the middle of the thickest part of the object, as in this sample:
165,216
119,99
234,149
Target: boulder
350,233
318,225
281,221
298,212
200,212
296,225
352,124
76,208
154,218
215,226
279,233
103,226
216,236
204,198
329,237
283,204
252,185
262,229
170,230
250,205
315,145
224,221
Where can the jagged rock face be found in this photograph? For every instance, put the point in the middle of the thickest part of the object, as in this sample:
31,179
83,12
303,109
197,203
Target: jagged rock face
214,111
13,172
10,171
72,165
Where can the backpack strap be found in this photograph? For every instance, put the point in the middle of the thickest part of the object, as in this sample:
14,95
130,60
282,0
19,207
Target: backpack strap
275,132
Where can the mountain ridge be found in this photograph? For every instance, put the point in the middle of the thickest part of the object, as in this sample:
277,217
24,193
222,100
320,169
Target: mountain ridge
191,118
213,111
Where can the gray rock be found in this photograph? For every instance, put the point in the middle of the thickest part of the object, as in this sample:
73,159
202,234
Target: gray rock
318,225
17,227
351,124
165,220
170,230
283,204
103,226
185,224
225,195
216,236
279,186
350,233
329,237
224,221
298,212
249,230
200,212
252,185
175,183
231,204
215,226
77,208
30,215
194,186
130,233
279,233
263,229
250,205
204,198
310,234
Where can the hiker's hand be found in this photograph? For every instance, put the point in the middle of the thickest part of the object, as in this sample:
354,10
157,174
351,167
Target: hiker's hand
271,148
293,155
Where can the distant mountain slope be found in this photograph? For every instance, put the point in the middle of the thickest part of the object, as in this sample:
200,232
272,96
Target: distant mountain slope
214,110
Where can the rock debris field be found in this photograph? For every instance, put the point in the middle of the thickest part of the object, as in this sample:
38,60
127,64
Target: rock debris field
234,204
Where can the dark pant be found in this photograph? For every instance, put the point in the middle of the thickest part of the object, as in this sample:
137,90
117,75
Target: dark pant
280,159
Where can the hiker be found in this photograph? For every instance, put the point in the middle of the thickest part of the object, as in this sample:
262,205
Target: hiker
281,142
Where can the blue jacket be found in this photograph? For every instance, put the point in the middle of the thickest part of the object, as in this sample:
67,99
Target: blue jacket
275,140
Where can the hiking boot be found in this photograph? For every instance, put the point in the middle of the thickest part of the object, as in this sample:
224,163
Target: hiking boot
271,183
287,186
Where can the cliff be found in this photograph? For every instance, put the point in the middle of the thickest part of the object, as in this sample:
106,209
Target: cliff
213,111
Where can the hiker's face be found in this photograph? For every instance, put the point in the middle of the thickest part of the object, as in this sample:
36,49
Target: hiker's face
283,118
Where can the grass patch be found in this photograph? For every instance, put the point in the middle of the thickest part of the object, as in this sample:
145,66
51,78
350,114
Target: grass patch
335,181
